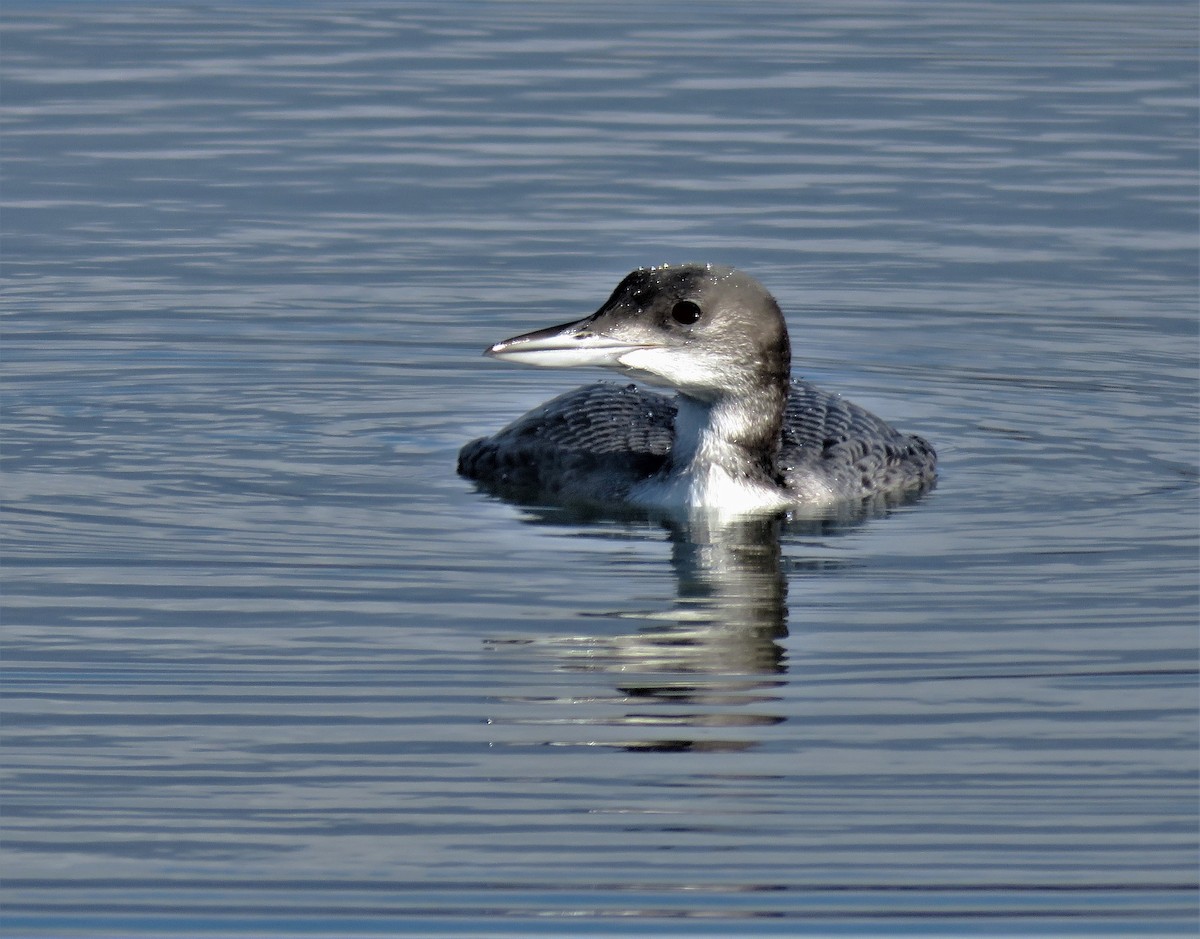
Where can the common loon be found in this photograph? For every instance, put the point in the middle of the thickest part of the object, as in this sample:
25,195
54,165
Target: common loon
740,436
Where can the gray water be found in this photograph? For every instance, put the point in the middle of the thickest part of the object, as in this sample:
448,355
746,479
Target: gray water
271,668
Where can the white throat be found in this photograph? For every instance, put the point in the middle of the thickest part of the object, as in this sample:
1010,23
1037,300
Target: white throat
708,468
703,434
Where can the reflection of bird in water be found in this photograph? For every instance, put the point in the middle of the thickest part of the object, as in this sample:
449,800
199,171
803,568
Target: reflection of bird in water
702,674
731,602
740,437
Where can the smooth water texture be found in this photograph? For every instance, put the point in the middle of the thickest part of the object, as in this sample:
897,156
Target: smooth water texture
271,668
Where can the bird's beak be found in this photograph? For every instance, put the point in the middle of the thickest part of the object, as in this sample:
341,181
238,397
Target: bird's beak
570,345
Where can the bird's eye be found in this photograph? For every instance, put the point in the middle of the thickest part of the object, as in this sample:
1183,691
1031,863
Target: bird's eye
685,312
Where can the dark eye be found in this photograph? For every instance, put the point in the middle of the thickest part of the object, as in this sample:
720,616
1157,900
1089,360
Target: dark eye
685,312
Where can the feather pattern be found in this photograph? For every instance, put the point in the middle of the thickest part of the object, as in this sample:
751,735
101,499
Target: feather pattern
598,443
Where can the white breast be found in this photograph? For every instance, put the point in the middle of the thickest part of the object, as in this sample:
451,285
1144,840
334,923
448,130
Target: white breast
710,488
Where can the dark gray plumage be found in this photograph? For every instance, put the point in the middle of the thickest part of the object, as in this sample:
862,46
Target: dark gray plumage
591,444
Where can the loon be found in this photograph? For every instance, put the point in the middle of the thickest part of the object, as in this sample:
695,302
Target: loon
739,437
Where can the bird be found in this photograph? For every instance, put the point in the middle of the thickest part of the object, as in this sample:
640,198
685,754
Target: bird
739,436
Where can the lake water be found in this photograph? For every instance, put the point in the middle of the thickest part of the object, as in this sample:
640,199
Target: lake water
271,668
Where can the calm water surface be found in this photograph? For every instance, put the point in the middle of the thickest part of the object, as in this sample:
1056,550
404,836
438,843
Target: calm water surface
272,669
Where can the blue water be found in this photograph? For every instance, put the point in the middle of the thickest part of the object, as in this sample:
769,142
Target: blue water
271,668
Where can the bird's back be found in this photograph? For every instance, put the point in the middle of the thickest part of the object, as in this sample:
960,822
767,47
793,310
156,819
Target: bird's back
596,442
834,445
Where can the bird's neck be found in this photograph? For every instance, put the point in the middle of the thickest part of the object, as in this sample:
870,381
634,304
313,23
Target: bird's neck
736,434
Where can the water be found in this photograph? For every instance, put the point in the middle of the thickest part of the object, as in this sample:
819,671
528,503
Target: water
271,668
